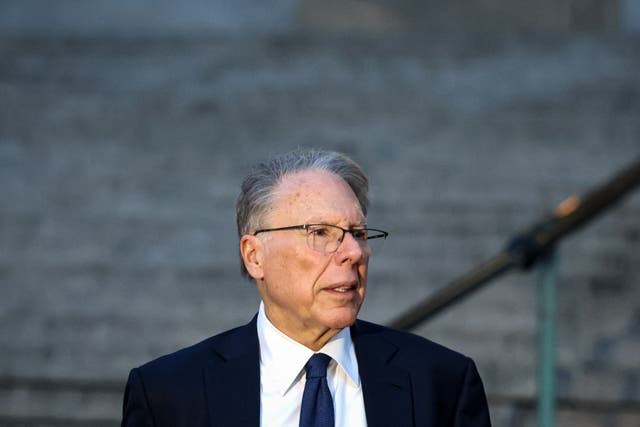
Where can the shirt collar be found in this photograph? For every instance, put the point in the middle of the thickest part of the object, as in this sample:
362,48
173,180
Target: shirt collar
282,359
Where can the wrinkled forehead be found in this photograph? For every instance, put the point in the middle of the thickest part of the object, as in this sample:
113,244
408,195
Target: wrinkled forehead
314,195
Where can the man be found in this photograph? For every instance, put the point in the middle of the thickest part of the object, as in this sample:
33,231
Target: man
305,359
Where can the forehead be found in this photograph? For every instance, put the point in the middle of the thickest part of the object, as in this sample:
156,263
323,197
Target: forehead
315,195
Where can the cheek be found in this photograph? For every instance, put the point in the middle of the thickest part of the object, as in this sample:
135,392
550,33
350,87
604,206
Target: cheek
296,267
299,264
363,268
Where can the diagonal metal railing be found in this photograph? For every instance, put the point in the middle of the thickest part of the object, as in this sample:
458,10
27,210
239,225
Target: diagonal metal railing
526,248
535,246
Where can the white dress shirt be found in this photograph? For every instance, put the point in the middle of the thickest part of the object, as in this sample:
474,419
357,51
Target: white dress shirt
282,377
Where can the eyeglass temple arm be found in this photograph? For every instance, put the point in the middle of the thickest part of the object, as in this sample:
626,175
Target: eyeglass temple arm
379,236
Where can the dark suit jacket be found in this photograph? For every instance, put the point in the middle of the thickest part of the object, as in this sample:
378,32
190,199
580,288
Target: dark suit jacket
406,381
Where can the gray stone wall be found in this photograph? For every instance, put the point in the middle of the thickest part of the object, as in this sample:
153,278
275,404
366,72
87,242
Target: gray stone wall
120,159
453,18
121,162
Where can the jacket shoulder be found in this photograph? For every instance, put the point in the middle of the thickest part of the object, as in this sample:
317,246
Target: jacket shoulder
445,386
192,359
171,390
412,348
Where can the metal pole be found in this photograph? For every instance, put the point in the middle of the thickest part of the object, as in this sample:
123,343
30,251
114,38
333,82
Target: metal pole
547,307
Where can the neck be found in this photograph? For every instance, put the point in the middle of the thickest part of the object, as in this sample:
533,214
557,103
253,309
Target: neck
311,337
315,342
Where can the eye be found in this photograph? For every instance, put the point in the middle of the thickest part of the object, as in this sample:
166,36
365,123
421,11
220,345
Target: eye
319,231
359,234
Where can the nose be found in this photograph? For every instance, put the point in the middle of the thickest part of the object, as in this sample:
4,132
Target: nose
351,250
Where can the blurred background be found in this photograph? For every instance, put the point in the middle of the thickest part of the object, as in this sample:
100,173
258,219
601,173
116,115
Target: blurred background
127,126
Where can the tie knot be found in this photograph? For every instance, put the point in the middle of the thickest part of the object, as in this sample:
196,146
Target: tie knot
316,367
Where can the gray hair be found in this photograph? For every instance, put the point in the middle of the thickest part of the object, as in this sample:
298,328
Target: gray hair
257,190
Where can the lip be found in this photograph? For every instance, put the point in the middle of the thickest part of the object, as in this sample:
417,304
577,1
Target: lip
343,288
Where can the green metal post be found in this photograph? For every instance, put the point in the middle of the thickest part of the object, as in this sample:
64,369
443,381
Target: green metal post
547,306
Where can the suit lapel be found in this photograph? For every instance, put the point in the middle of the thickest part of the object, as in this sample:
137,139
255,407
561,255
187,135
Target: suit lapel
232,379
386,388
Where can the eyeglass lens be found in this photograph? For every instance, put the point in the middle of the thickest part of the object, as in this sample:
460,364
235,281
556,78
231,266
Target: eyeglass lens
327,238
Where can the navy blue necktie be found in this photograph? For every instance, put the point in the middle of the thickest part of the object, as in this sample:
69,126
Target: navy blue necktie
317,405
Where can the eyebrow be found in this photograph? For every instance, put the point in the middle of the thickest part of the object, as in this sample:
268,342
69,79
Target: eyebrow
362,223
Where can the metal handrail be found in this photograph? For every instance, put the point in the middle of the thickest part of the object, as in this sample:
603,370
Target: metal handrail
526,248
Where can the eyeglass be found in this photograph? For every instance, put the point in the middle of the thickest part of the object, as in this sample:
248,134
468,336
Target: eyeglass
326,238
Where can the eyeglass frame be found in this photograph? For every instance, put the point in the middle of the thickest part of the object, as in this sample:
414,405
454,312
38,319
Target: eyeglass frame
305,227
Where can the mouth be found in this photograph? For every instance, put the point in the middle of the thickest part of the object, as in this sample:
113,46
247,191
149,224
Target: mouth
343,288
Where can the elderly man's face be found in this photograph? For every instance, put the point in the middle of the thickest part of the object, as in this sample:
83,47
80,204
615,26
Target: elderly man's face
310,294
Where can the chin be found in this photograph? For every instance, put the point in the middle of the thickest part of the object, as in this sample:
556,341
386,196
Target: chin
342,320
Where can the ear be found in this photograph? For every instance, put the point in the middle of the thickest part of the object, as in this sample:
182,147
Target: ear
252,252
